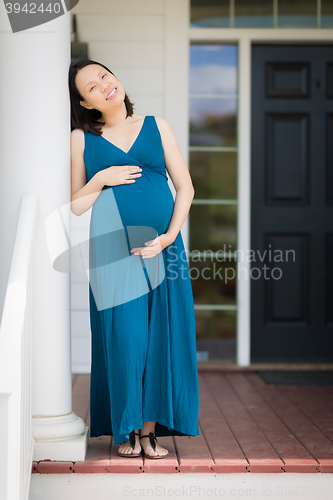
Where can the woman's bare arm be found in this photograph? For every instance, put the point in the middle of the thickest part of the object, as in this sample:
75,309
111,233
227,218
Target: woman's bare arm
84,194
180,176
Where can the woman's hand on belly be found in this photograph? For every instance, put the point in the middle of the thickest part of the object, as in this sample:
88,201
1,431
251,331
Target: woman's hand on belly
118,175
153,247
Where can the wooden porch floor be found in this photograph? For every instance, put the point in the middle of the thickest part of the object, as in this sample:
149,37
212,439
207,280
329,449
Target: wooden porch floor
245,425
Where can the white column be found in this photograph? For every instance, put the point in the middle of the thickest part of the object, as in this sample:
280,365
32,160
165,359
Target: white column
243,346
35,156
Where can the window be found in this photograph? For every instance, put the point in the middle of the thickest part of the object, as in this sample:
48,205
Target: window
213,216
261,14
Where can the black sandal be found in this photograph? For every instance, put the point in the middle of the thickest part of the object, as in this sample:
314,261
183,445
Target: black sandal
152,440
132,435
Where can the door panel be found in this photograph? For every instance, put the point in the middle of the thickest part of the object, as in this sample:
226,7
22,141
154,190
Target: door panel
292,203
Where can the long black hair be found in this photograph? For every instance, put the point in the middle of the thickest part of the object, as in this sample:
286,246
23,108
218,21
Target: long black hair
83,118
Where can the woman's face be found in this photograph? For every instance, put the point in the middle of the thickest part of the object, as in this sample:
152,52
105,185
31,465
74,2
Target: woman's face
95,84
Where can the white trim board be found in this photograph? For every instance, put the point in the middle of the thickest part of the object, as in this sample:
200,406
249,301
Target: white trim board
176,67
244,38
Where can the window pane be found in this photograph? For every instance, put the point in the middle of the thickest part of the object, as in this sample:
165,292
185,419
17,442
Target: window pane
216,333
215,325
213,227
213,69
213,122
297,13
254,14
213,280
326,14
210,14
214,174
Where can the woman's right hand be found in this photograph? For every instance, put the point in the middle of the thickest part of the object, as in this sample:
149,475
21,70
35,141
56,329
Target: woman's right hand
124,174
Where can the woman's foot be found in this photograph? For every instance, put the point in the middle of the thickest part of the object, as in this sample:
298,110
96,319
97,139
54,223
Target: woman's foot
125,448
149,450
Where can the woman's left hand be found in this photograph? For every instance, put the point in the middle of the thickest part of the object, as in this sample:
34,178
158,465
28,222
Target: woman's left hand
153,247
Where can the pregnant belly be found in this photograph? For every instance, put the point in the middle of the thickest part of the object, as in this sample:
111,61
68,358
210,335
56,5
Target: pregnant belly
146,202
124,217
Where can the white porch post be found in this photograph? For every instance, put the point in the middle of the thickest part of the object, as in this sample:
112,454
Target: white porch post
35,156
243,345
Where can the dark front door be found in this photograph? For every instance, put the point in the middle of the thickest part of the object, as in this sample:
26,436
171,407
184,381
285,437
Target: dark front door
292,203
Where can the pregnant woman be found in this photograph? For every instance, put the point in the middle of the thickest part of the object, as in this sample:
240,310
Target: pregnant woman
144,379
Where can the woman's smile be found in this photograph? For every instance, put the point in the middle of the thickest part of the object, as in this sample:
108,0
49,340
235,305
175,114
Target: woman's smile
112,93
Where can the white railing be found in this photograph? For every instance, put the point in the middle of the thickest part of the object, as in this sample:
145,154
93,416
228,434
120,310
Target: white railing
16,439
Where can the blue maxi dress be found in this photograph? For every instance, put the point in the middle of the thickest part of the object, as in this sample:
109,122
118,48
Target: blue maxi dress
143,332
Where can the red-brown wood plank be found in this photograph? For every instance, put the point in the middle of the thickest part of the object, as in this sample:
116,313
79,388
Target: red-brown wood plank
300,392
75,376
310,401
226,453
193,454
81,396
123,464
255,446
318,445
169,464
295,457
53,467
98,456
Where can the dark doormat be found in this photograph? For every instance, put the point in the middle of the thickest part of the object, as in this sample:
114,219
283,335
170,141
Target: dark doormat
297,377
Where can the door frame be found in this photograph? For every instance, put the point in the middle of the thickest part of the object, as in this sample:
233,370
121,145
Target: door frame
245,38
